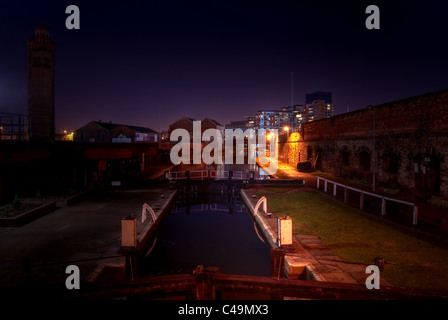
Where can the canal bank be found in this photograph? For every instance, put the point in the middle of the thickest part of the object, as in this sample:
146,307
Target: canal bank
34,257
307,258
144,227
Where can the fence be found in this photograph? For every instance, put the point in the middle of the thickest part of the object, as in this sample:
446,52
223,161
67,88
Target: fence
186,175
362,195
212,174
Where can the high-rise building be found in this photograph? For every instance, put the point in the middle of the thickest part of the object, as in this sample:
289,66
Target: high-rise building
271,119
41,104
319,95
319,105
318,109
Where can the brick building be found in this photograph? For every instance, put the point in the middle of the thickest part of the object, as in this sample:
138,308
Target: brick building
98,131
187,124
403,143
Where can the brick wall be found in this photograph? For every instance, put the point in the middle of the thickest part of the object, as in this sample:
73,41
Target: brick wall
418,115
406,133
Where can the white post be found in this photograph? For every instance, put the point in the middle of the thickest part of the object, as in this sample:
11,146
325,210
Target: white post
318,180
334,189
361,201
284,227
383,207
345,195
415,215
129,232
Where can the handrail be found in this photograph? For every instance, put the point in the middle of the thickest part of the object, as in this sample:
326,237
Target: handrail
145,208
263,200
219,174
362,192
202,174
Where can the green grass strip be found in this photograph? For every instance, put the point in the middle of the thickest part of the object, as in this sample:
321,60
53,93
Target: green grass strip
354,237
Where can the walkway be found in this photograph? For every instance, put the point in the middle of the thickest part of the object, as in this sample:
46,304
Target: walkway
87,234
292,173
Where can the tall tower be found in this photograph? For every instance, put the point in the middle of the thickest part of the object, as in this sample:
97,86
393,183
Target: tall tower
41,53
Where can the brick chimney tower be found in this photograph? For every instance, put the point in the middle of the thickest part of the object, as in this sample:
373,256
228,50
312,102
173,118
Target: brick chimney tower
41,53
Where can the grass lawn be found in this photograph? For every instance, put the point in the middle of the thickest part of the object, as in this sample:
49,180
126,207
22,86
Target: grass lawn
356,238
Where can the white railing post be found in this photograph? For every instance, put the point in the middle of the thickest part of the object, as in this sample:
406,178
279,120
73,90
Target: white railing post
345,195
361,201
362,197
415,215
383,206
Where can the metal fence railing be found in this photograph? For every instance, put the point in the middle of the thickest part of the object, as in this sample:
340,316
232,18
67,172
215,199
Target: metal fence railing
362,195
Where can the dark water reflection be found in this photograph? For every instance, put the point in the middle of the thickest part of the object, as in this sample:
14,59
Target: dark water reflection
215,230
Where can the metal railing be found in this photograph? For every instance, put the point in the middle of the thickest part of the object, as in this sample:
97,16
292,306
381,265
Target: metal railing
204,174
185,175
219,174
362,196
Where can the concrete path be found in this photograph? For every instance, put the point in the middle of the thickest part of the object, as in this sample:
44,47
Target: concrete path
33,258
292,173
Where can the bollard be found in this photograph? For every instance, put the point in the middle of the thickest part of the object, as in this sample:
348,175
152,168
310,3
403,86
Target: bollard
129,231
284,231
129,243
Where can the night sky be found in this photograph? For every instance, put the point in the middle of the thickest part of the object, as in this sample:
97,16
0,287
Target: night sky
149,63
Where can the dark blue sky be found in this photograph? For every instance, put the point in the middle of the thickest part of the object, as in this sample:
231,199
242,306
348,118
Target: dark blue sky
149,63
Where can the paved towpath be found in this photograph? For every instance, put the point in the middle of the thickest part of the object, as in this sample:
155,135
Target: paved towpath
33,258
